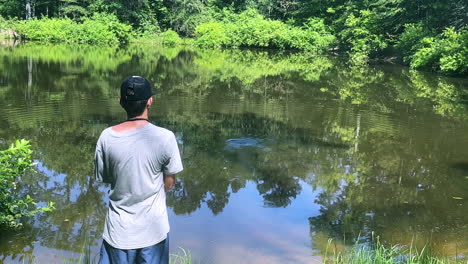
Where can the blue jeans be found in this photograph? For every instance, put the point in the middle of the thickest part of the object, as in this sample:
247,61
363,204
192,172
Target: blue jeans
155,254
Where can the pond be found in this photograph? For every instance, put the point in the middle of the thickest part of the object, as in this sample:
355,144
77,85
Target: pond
282,151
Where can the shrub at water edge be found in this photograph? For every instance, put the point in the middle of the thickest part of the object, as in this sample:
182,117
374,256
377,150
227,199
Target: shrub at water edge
14,162
250,29
361,36
447,52
170,38
411,40
98,29
211,34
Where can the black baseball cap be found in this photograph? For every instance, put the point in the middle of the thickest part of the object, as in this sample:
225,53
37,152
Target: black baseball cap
136,88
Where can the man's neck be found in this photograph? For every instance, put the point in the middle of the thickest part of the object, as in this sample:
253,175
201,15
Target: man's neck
142,116
129,126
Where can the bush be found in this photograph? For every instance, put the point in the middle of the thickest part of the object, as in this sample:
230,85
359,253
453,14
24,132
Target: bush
148,31
361,34
121,31
2,23
54,29
211,34
14,162
314,35
250,29
411,40
446,53
170,38
98,29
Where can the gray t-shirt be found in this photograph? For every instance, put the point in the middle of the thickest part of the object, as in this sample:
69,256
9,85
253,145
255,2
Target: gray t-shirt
133,163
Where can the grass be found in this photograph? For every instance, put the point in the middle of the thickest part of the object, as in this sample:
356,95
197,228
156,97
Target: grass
182,258
379,254
376,253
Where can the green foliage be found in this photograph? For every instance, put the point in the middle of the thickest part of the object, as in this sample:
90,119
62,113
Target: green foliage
211,34
362,35
72,9
98,29
446,53
314,35
378,253
170,38
183,16
111,24
411,40
14,162
2,22
250,29
183,257
363,29
148,31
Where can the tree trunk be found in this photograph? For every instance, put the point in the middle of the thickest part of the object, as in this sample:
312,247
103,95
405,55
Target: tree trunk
28,9
33,9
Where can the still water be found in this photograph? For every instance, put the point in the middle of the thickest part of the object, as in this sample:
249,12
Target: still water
282,151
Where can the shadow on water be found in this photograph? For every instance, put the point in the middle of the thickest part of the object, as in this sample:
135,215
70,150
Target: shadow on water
462,166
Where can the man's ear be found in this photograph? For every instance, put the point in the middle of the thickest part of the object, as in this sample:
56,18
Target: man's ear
150,101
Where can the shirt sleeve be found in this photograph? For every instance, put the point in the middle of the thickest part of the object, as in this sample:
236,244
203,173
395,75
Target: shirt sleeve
99,171
173,162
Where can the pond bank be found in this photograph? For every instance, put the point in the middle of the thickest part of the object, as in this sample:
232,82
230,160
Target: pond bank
8,34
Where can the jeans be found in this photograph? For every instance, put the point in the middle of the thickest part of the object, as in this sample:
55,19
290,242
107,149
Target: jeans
155,254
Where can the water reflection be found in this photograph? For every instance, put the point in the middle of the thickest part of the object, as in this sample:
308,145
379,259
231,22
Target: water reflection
381,147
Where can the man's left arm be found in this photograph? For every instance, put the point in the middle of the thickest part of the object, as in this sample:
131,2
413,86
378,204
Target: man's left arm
169,181
173,163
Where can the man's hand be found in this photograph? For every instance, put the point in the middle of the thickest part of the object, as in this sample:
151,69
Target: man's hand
169,181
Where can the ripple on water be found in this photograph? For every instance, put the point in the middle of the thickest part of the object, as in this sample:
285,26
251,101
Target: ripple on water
238,143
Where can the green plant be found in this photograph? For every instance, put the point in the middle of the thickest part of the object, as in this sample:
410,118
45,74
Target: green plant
170,38
410,40
314,35
362,35
375,252
2,22
446,53
211,34
148,31
121,31
98,29
182,258
250,29
14,162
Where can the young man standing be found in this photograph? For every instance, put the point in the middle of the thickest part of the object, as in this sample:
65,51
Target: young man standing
140,161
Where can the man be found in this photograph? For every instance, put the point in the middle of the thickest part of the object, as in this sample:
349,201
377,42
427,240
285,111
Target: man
140,161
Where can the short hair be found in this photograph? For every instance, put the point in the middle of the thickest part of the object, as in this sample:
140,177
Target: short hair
134,108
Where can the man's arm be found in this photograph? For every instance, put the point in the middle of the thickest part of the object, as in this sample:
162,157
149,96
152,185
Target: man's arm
99,164
173,164
169,181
